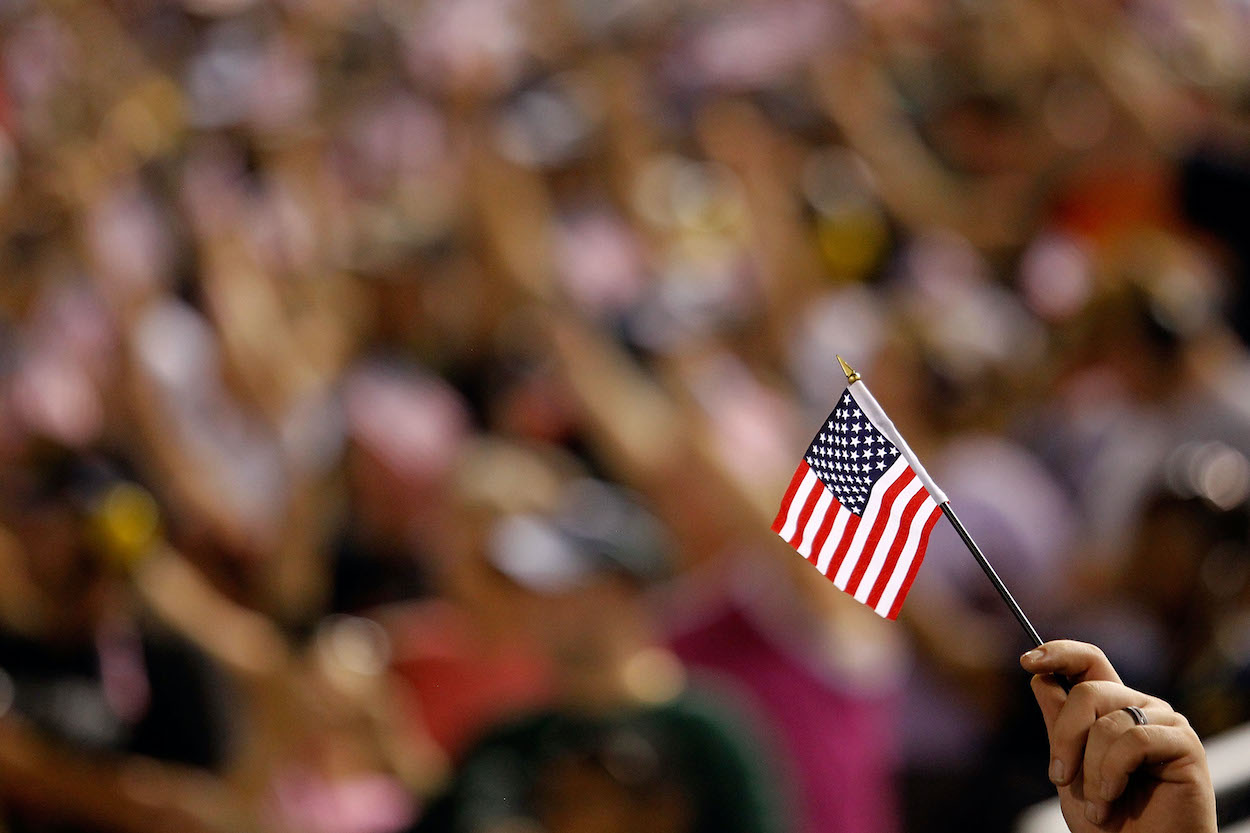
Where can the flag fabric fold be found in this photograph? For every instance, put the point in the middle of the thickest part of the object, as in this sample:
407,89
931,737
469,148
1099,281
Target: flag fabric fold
860,506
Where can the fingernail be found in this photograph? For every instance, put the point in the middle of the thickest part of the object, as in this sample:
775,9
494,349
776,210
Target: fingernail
1094,813
1056,771
1033,656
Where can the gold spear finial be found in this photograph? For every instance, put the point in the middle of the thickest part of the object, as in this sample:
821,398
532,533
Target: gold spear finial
852,375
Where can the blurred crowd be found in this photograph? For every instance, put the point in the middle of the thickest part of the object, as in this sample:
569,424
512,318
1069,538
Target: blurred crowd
395,396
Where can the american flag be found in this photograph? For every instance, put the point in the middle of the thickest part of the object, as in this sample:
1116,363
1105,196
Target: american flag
860,507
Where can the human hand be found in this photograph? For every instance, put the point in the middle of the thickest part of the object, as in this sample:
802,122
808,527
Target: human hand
1113,774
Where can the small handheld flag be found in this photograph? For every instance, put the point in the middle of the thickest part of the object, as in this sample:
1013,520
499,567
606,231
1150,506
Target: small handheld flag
860,507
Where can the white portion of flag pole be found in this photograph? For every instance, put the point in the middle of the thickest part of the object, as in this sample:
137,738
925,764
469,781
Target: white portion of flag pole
868,403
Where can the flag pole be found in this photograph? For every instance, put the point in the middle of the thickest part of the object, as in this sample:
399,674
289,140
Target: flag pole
852,377
990,574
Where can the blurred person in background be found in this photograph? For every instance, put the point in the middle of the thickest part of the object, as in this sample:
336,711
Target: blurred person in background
959,382
1175,608
182,671
702,444
624,745
111,721
404,430
460,661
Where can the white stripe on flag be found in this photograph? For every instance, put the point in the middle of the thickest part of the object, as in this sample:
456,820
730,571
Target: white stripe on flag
813,523
896,470
796,505
887,539
835,538
903,567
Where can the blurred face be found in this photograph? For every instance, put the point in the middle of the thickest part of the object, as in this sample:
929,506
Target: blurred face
583,629
1170,550
467,578
57,559
60,565
405,431
404,507
378,490
581,796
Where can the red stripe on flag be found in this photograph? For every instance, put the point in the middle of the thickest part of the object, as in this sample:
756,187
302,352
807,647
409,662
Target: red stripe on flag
826,526
799,474
900,540
848,535
915,563
878,527
814,495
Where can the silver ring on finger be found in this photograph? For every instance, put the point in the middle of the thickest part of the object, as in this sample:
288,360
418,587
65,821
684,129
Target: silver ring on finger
1139,716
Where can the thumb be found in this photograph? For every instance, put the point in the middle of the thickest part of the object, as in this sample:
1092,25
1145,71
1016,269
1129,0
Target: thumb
1078,661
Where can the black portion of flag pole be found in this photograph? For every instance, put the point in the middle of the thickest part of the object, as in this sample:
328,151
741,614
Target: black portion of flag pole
999,586
993,576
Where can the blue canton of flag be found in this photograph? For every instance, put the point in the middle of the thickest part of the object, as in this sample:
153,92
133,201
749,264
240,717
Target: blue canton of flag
850,455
